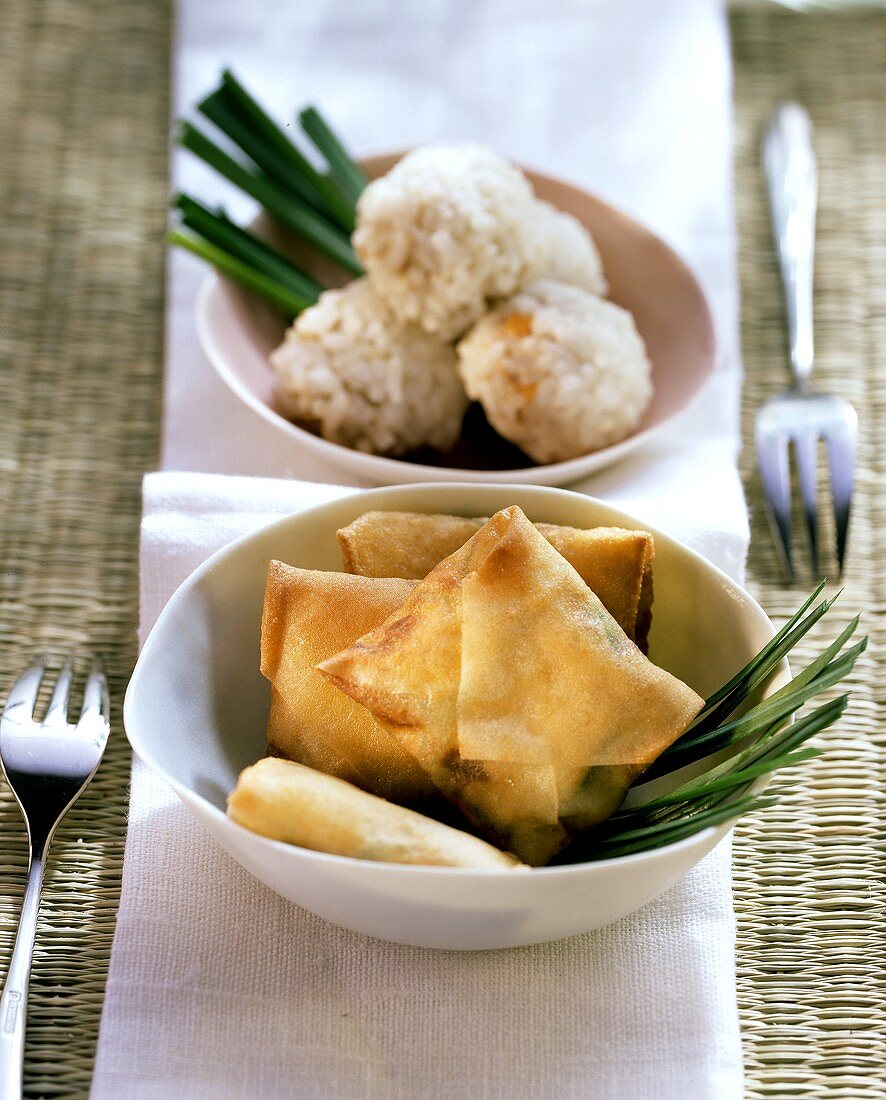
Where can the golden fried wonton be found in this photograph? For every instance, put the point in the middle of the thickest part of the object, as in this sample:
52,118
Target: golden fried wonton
309,615
615,563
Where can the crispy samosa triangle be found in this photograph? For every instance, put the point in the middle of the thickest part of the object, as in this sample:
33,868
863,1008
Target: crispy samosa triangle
309,615
511,685
615,563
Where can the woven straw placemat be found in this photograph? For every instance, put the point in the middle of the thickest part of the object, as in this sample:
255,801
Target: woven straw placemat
809,873
83,88
83,84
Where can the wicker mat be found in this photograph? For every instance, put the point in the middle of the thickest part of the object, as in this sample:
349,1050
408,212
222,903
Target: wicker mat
809,873
83,88
82,206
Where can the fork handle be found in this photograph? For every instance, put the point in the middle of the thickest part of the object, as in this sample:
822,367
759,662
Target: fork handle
14,1002
792,180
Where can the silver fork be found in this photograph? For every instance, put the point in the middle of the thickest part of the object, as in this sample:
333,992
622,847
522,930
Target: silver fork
800,415
47,764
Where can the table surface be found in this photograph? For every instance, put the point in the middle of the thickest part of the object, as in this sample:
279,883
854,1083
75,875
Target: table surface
83,197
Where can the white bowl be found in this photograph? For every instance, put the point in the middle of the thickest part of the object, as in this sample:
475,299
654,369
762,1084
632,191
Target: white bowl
238,331
197,705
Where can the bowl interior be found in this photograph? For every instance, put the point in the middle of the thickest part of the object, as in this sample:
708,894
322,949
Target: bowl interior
646,277
197,704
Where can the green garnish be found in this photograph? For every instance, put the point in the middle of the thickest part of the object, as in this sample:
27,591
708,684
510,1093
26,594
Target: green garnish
237,114
318,207
732,751
219,230
342,165
283,297
287,207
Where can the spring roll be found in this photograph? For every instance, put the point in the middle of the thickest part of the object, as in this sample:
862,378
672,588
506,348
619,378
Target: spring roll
516,690
616,564
289,802
309,615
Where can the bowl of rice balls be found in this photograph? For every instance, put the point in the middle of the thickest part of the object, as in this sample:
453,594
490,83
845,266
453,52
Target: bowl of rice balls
506,327
458,716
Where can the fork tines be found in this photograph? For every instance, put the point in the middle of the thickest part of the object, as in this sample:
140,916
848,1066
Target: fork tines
22,699
784,422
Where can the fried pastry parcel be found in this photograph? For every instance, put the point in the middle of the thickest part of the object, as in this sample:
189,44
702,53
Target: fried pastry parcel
289,802
515,689
308,616
615,563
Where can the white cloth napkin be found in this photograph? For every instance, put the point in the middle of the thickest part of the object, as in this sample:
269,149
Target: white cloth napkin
218,988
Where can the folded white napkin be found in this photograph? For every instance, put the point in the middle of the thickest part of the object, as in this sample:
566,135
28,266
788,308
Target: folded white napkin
218,988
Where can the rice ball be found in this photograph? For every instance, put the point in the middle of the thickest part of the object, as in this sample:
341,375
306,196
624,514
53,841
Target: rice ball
570,254
349,368
559,371
447,229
